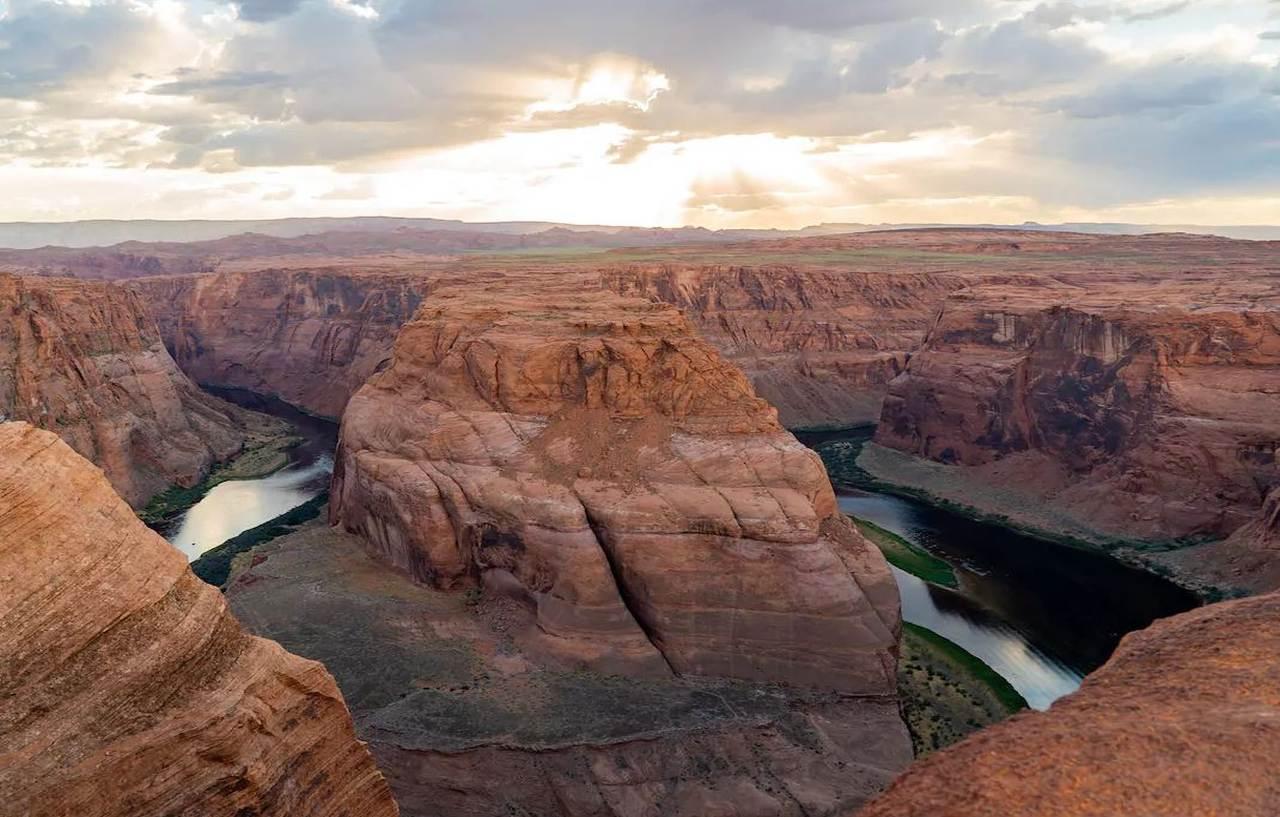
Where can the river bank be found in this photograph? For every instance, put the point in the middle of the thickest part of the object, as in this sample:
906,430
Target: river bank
281,473
853,459
947,693
266,452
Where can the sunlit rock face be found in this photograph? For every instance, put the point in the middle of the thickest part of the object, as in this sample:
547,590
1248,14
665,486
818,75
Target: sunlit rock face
1149,733
127,689
85,361
592,456
308,336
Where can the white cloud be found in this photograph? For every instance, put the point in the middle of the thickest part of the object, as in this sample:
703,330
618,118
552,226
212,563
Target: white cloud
718,111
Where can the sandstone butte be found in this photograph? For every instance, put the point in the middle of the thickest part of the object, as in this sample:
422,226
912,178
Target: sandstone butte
623,588
1122,420
1183,720
592,456
85,360
126,686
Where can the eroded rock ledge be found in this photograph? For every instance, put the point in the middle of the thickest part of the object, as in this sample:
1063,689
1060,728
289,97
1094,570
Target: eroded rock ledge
126,686
589,455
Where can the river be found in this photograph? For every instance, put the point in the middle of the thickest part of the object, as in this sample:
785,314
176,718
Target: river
1041,614
238,505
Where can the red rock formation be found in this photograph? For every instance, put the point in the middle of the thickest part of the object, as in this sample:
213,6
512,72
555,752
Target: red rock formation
465,722
310,337
590,455
84,360
1181,721
126,686
1137,421
821,345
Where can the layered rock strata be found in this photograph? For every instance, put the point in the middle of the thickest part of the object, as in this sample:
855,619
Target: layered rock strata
85,360
819,344
1145,422
589,455
1182,720
126,686
308,336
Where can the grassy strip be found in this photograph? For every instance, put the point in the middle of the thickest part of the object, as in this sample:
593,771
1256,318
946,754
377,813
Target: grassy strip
214,566
981,672
841,460
947,693
907,556
252,463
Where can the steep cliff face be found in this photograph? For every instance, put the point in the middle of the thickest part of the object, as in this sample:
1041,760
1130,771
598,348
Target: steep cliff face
1142,423
1182,720
85,361
821,345
310,337
593,457
126,686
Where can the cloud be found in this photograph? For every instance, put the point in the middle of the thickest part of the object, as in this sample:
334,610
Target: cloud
1076,88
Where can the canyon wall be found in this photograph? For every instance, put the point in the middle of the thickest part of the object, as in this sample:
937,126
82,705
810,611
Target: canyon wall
591,455
308,336
126,686
1182,720
85,360
819,344
1156,423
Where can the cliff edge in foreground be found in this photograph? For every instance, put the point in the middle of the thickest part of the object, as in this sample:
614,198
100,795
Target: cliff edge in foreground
127,687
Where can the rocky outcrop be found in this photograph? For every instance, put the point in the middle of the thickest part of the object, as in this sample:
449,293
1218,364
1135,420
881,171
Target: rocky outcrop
1146,422
591,456
1182,720
819,344
1248,560
465,721
85,360
308,336
126,686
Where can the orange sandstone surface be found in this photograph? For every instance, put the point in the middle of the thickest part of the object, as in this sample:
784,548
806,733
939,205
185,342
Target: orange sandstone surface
593,456
126,686
1183,720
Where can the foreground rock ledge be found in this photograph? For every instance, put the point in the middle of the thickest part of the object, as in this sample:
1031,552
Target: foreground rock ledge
592,457
126,686
1183,720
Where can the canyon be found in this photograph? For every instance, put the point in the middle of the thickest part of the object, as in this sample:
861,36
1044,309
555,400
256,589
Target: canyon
310,337
126,686
571,545
1112,418
623,509
86,361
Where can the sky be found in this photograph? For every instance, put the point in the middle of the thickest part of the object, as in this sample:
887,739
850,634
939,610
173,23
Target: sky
716,113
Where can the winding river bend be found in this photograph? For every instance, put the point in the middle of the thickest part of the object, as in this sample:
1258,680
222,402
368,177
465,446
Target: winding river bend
236,506
1040,614
1043,615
